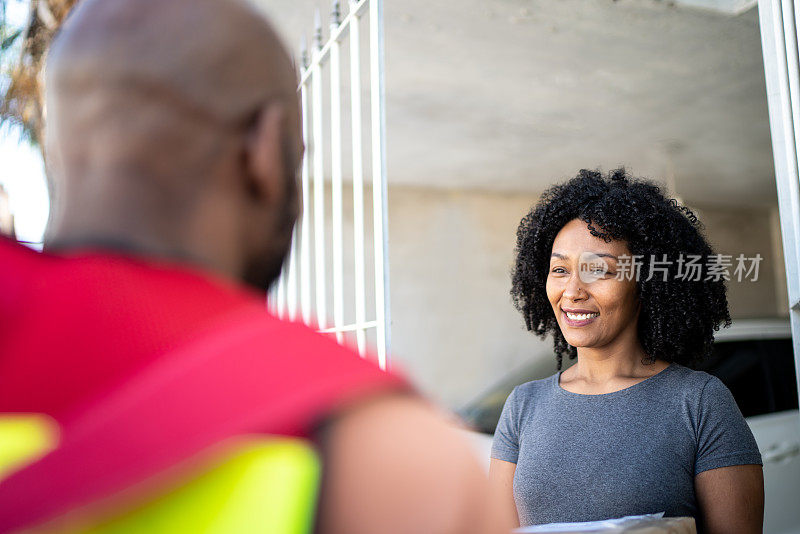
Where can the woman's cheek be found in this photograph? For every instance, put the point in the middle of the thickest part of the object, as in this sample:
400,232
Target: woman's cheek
551,290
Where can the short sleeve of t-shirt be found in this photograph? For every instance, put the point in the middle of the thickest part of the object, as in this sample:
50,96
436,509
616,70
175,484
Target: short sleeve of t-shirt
723,436
505,445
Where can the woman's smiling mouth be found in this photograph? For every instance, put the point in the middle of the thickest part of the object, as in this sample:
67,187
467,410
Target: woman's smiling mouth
579,318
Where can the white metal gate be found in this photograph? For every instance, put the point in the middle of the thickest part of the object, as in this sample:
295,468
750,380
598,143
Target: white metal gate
779,37
315,274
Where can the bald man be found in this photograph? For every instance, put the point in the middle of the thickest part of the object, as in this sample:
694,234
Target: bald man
173,141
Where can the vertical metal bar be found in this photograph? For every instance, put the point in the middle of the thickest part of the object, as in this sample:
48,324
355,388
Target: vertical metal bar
779,102
291,278
280,294
777,68
285,288
791,184
358,178
793,78
305,223
336,179
271,300
790,44
379,190
319,181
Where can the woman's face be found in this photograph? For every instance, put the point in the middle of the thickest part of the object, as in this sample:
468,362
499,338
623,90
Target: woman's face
591,306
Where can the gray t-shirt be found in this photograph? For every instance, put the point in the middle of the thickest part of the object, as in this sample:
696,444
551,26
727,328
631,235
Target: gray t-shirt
634,451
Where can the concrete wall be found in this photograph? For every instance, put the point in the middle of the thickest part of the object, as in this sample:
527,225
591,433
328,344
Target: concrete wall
749,231
454,329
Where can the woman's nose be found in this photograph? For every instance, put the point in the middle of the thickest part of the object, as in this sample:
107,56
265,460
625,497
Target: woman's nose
574,289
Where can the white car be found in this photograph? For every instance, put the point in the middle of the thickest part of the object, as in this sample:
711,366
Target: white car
754,358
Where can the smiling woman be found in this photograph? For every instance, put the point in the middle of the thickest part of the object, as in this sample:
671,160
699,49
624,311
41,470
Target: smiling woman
615,305
603,264
678,319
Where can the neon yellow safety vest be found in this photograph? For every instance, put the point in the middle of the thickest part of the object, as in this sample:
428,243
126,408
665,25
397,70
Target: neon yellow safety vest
260,484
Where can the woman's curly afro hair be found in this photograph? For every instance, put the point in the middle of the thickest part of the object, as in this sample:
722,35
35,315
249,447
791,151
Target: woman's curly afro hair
678,317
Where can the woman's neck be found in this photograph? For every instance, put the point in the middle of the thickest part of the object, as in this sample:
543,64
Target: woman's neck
624,359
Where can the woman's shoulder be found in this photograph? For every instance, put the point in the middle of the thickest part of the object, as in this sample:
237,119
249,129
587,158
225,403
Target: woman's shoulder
693,387
691,379
535,389
524,398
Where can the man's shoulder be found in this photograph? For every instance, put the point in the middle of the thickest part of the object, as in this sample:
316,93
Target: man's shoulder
291,361
293,344
15,259
146,312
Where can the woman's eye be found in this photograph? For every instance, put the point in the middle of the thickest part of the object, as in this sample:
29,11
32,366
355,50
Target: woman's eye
558,270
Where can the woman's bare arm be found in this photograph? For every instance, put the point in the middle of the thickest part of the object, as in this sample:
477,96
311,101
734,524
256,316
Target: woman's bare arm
731,499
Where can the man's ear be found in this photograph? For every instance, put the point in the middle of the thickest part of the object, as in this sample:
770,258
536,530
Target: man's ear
264,155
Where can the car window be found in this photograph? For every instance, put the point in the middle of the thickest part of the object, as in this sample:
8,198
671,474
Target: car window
760,374
483,413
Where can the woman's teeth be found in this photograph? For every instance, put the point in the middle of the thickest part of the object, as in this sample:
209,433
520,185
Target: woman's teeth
580,316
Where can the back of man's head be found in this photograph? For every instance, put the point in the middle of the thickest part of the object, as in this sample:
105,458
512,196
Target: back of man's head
151,105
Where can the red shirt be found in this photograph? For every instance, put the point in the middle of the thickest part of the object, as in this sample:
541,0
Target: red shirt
105,338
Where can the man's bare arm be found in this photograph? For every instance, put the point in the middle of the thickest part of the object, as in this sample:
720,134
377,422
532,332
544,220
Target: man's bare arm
393,465
501,479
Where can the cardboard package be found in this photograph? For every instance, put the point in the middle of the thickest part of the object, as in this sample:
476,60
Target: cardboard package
639,524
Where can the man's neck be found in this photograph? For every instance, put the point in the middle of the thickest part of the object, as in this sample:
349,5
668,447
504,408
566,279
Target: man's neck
125,245
133,246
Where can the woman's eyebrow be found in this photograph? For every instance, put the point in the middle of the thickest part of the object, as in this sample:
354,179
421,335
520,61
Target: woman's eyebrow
605,255
600,254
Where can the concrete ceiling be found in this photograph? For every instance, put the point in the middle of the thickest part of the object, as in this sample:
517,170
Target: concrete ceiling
512,95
